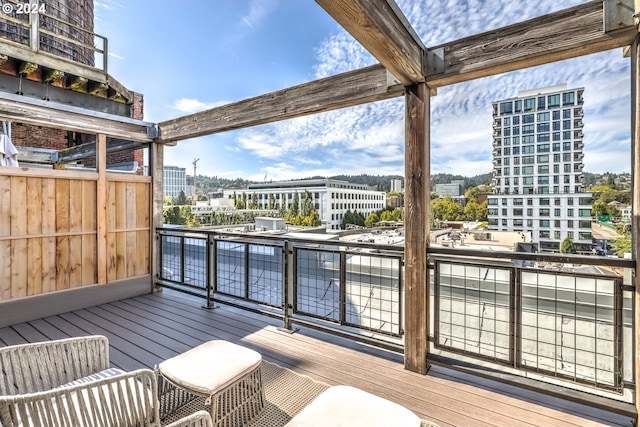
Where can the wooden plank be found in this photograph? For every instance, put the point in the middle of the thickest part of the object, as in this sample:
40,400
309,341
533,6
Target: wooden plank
417,170
331,93
112,265
143,238
101,209
34,227
128,178
121,255
5,230
384,31
62,225
50,173
5,270
5,205
75,225
142,260
156,166
60,116
49,268
121,205
566,34
89,242
635,219
19,261
142,205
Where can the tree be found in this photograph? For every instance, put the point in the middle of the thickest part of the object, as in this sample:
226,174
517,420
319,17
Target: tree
180,215
181,199
272,202
254,201
294,207
371,220
599,208
622,245
307,204
567,246
445,209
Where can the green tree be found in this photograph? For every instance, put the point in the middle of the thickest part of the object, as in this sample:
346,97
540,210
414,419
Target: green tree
314,219
371,220
307,204
294,207
445,209
567,246
598,208
167,200
244,200
272,201
180,215
622,245
181,199
254,201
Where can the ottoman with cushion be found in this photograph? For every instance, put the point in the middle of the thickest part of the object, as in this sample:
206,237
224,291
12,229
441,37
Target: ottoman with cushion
342,406
227,376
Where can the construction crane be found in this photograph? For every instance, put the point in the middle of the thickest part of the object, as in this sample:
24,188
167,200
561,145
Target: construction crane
194,175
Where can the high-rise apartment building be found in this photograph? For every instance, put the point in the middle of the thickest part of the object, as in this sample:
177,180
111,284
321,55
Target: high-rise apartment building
537,168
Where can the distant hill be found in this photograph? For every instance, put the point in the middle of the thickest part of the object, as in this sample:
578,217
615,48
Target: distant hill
377,182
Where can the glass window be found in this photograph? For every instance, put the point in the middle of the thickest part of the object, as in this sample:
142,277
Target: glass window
567,168
543,158
516,130
553,100
507,131
543,127
543,168
543,117
529,223
543,148
566,124
528,160
526,129
506,107
541,103
529,212
555,136
584,201
517,202
507,151
566,134
528,139
555,115
544,234
528,149
570,212
528,118
582,235
518,106
543,190
556,125
527,170
516,170
506,121
544,223
517,212
556,157
584,212
544,202
516,150
516,119
566,114
556,212
527,180
543,137
568,98
529,104
566,146
556,235
516,140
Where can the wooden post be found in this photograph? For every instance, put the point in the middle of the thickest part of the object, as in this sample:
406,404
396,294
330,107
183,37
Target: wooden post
635,219
101,200
156,169
417,214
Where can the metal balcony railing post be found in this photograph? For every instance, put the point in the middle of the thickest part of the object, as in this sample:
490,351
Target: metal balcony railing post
182,244
343,287
212,271
288,284
247,270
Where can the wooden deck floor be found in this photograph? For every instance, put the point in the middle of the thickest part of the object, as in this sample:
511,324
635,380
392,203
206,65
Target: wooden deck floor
145,330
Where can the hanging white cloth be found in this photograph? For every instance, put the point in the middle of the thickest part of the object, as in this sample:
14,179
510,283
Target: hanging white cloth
8,152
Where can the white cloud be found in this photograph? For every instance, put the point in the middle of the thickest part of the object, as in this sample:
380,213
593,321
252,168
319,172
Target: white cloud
189,105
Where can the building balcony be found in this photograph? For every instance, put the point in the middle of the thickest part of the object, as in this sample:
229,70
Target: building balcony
347,314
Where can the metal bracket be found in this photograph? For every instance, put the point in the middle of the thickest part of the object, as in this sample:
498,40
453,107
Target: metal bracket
433,62
153,131
618,14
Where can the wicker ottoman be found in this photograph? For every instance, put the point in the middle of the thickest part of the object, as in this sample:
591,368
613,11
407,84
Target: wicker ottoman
226,376
341,406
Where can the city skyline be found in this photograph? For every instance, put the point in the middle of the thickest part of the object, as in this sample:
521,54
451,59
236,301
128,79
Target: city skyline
233,50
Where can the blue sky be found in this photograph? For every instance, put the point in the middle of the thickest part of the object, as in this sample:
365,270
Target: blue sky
191,55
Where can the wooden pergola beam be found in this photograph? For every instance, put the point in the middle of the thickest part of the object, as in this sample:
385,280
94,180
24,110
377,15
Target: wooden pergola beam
569,33
50,114
343,90
88,149
381,28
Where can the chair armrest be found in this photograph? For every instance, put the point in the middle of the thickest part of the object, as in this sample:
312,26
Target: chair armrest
197,419
126,399
35,367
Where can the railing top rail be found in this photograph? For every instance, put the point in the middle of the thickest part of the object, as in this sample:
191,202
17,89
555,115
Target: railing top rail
540,257
280,237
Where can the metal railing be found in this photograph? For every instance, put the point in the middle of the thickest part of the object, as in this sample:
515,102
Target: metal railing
356,286
36,25
569,318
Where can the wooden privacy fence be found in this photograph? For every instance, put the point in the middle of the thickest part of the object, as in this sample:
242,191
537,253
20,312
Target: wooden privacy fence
49,229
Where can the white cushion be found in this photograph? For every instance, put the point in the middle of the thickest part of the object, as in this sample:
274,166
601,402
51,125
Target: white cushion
210,367
344,406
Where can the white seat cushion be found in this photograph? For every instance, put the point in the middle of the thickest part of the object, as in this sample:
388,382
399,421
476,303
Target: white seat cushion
344,406
210,367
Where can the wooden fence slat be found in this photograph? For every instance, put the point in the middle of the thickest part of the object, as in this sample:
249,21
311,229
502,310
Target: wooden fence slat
62,263
121,253
75,261
89,256
75,205
132,249
19,261
142,253
121,205
49,267
62,205
112,267
142,205
5,205
34,226
5,270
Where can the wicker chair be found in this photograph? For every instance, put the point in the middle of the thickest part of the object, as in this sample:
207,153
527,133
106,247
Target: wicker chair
67,382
